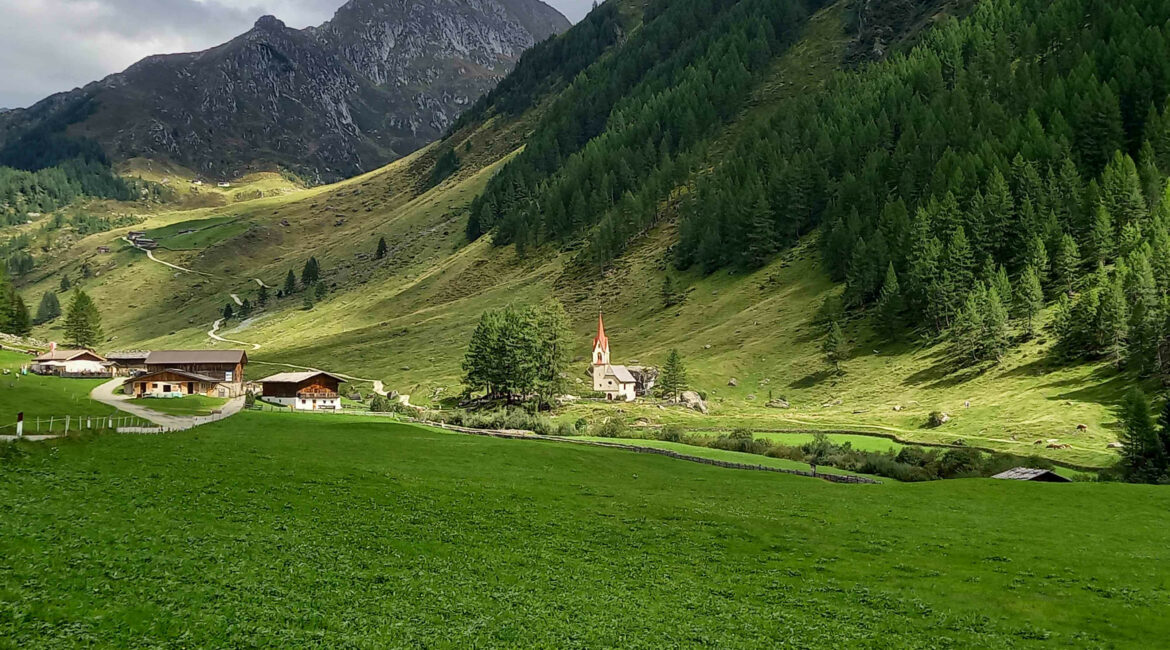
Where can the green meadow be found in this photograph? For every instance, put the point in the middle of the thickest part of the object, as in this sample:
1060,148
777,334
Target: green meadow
42,397
189,405
283,530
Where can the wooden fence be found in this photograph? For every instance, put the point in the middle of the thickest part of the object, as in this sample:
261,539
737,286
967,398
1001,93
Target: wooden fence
61,425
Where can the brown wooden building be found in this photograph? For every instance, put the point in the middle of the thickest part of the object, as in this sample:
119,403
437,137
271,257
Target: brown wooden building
173,382
224,368
304,391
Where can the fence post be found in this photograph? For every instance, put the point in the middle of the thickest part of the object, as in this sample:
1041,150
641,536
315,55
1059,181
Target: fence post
50,424
66,424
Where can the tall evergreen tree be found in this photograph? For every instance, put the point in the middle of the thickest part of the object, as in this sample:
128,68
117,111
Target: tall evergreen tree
382,249
835,347
65,284
1066,263
83,323
49,308
262,296
290,283
311,273
673,380
1143,456
1029,299
228,312
890,303
21,322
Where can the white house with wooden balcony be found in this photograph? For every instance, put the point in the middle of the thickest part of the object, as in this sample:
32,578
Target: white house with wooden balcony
313,390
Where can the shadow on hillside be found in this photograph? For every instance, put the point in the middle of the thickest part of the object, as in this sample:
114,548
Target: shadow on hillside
1104,386
812,379
945,372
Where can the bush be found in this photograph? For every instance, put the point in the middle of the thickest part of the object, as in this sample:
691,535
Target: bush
565,429
936,419
611,428
672,433
581,425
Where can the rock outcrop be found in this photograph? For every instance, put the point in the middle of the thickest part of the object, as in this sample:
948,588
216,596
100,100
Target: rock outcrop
379,80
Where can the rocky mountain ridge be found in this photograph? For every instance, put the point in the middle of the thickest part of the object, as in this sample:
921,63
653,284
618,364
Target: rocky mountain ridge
379,80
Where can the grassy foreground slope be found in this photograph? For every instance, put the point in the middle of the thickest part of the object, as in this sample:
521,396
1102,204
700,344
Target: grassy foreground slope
271,529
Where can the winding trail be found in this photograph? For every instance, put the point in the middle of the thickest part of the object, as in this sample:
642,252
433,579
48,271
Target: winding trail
239,303
150,255
261,283
215,328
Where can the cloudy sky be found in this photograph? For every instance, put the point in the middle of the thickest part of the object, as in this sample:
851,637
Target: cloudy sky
48,46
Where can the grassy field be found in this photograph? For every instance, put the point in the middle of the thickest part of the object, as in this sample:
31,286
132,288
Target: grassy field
42,397
296,530
189,405
718,454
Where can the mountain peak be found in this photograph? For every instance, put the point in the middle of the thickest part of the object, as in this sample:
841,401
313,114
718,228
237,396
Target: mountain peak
270,23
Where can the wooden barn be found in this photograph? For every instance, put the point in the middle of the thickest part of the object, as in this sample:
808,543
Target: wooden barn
304,391
127,363
173,382
223,368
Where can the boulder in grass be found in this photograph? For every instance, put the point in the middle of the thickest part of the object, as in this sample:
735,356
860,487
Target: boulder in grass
692,400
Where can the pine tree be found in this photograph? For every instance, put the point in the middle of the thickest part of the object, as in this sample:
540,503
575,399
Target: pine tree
996,334
21,322
1101,237
228,312
307,299
382,249
48,309
835,347
673,380
1065,263
1143,457
245,309
890,304
262,296
1037,258
65,285
1029,299
553,347
671,296
311,273
1002,285
967,332
320,291
290,283
83,324
1112,322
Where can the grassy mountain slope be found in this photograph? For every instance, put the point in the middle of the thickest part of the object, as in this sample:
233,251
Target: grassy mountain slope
406,319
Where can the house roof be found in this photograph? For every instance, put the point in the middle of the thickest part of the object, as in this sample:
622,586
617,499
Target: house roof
182,373
127,355
66,355
297,377
182,357
1032,474
601,339
622,374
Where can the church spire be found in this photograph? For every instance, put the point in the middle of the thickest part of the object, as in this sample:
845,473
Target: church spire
600,343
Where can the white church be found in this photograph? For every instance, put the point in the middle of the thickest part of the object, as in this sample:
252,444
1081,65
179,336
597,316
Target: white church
617,382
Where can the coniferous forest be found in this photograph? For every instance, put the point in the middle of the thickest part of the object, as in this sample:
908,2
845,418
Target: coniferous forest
1012,158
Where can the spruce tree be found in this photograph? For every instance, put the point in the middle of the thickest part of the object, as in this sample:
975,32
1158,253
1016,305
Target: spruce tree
671,295
890,304
228,312
1029,299
262,296
1002,285
1101,237
967,332
48,309
290,283
21,322
1112,322
311,273
1066,263
83,323
307,299
835,347
673,380
996,334
320,291
382,249
1143,456
65,284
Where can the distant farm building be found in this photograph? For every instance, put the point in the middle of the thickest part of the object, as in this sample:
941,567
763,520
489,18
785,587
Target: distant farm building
304,391
103,249
1030,474
135,234
70,363
214,373
225,184
126,363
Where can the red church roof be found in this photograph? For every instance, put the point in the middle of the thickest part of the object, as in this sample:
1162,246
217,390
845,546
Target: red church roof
601,338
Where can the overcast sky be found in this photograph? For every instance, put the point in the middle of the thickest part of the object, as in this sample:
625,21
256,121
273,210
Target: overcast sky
49,46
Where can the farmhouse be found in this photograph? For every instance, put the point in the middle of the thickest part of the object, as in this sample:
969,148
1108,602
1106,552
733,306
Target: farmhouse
126,363
70,363
304,391
617,382
214,373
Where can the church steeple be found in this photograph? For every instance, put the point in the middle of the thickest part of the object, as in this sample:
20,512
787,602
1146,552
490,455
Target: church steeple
600,344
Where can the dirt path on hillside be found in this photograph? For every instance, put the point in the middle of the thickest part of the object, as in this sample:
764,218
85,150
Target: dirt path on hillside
379,388
239,303
215,328
150,255
261,283
106,395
